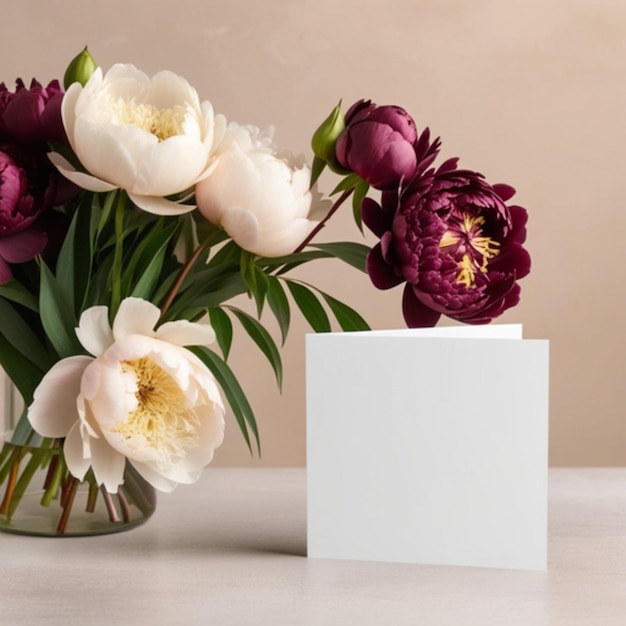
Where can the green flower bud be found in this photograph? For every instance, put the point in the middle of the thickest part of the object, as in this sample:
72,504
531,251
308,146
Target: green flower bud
80,69
325,137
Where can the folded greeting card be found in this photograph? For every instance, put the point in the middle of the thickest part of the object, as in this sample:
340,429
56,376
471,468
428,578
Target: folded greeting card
428,446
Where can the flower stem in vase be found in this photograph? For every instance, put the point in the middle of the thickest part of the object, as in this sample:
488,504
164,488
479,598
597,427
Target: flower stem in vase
67,501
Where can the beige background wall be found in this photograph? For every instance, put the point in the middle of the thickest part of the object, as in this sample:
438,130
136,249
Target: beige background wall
530,92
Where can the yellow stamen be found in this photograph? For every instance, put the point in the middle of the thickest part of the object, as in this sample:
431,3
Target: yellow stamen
161,416
466,237
467,273
162,123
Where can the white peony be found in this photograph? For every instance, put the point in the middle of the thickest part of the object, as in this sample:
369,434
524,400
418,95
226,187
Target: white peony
261,200
149,136
141,397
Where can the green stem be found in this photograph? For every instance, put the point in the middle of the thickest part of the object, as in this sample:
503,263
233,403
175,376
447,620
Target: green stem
342,198
67,505
54,482
108,501
92,497
191,261
118,257
32,466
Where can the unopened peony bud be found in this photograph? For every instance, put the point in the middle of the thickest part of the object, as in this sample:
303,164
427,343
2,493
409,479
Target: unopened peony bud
325,137
378,144
80,69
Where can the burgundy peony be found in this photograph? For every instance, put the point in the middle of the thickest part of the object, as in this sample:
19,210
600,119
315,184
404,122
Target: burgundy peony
454,241
378,144
27,189
31,115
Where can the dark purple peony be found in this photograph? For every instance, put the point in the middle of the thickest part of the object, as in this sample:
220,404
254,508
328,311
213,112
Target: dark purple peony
31,115
454,241
378,144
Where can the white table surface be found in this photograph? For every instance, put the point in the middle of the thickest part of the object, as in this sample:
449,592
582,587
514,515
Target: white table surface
231,550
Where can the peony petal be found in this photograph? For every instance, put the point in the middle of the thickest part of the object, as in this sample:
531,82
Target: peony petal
105,151
416,314
23,246
6,273
157,480
68,106
160,206
375,217
243,226
135,317
382,275
94,331
184,333
168,166
73,450
107,464
53,410
86,181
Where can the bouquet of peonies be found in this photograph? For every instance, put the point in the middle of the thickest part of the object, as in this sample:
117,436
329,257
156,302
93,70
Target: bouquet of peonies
130,216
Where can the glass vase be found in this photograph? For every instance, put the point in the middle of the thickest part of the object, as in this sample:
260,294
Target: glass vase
38,496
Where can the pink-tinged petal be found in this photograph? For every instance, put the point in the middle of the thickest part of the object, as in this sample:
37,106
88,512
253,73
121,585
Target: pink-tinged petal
23,246
157,480
94,330
86,181
416,314
53,411
89,383
211,435
160,206
242,225
135,317
73,449
184,333
107,464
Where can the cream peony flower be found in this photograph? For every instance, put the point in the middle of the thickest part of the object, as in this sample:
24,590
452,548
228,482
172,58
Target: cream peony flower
143,398
150,136
261,200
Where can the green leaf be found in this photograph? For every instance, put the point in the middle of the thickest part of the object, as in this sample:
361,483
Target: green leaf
360,191
57,316
350,252
73,267
152,255
348,318
151,243
99,288
317,168
223,328
297,258
224,290
255,279
263,340
228,253
279,305
105,211
22,337
16,292
232,390
24,374
349,182
310,306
